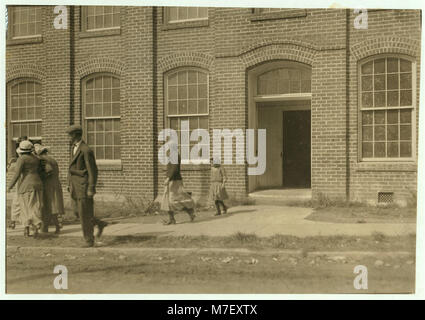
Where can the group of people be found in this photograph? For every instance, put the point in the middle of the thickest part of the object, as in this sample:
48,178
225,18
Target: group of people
39,198
175,198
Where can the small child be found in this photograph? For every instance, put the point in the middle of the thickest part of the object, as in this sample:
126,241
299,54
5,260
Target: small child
218,191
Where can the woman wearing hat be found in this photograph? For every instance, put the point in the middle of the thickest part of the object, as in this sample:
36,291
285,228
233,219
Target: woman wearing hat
16,210
30,188
53,207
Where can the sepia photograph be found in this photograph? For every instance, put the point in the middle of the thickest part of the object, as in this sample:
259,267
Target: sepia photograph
210,150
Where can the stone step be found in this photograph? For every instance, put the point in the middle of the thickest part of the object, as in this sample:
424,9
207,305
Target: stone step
284,197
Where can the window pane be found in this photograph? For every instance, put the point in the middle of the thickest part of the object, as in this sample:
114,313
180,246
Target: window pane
379,133
183,107
405,97
202,106
367,68
392,65
367,100
367,133
405,149
367,84
367,149
392,98
193,107
379,148
405,132
392,149
392,132
392,81
392,116
172,108
405,116
379,82
379,66
405,65
406,81
379,117
379,99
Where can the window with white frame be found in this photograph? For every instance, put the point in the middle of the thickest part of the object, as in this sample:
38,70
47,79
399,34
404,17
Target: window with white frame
187,100
25,110
387,91
100,17
101,104
183,14
25,21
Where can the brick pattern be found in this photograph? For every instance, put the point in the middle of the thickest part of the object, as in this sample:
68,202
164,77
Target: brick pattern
228,46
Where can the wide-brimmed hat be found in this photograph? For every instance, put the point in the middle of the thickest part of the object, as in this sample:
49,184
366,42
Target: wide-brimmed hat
25,147
39,149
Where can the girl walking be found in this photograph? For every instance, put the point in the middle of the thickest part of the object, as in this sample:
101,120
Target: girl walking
175,198
30,188
218,191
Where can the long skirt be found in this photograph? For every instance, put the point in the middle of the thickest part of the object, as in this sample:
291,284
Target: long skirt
175,198
53,197
217,192
16,210
31,204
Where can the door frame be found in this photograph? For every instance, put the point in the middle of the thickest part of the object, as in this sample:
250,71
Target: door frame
254,99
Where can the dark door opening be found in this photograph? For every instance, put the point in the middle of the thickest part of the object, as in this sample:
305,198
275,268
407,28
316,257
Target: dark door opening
296,149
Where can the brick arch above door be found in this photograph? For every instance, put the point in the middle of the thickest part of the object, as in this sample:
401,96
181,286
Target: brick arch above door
384,45
278,51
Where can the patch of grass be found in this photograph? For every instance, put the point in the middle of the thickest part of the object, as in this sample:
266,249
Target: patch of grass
244,238
364,214
375,242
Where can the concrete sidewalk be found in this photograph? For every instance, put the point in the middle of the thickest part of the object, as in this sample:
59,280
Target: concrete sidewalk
261,220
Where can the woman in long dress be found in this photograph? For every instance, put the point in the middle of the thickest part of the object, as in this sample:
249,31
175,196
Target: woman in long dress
53,207
174,197
30,188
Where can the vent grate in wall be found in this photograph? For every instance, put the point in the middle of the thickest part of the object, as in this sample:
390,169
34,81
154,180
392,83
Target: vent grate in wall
385,197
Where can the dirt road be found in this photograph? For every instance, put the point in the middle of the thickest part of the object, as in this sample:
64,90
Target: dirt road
92,271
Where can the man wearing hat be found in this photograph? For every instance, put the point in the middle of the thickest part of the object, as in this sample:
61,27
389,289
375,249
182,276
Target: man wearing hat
82,179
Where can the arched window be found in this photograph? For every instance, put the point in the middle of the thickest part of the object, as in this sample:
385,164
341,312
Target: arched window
101,111
25,110
387,105
186,98
284,81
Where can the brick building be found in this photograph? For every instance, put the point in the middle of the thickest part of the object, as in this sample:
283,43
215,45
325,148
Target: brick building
340,104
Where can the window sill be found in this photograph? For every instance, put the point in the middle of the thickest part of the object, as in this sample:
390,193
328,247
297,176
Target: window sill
287,14
185,24
29,40
384,166
99,33
109,165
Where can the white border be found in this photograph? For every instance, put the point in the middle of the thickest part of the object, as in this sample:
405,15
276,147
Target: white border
420,240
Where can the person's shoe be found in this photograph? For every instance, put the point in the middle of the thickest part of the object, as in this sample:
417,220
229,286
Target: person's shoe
191,213
217,214
26,232
224,209
88,245
58,229
12,225
100,226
